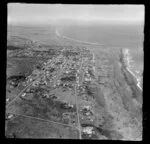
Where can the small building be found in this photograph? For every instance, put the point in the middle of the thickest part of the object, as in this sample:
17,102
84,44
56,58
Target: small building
23,95
7,99
10,116
86,110
89,130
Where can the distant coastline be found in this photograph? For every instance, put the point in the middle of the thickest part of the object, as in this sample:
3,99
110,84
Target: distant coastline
91,43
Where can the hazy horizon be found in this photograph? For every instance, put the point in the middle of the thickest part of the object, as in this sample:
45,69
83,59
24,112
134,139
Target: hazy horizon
65,14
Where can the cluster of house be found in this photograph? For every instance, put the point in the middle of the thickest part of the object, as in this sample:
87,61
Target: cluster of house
65,72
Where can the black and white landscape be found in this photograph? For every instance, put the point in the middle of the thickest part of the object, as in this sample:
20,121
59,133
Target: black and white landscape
74,71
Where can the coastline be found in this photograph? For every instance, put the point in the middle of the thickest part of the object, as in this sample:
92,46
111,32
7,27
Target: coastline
127,59
58,34
126,55
138,79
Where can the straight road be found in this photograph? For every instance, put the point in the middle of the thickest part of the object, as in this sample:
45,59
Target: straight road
27,87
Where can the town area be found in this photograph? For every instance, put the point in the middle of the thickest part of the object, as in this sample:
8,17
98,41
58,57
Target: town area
71,93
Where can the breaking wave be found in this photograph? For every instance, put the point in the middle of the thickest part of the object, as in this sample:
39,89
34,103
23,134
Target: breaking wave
130,64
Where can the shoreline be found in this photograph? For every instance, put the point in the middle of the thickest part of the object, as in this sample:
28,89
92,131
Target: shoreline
58,34
125,53
128,59
137,79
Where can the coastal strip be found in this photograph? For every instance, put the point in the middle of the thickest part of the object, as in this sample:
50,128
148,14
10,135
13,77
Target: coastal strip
127,60
138,79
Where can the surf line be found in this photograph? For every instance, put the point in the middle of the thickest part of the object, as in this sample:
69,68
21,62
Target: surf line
138,79
128,59
58,34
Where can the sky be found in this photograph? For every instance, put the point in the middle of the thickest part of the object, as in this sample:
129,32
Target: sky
60,13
